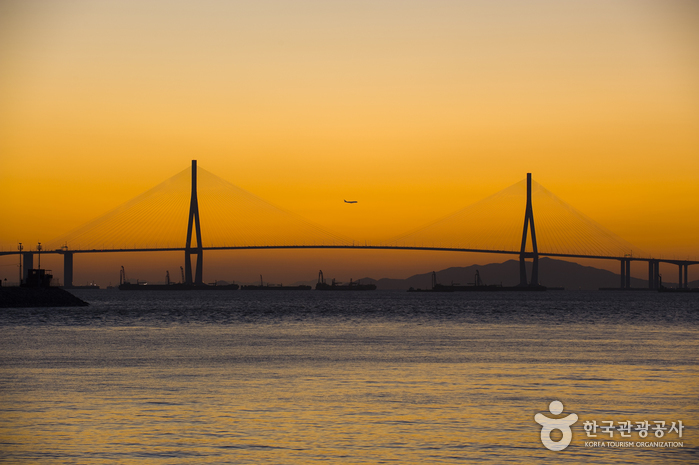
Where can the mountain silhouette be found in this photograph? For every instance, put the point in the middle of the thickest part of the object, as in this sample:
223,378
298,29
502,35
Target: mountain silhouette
552,273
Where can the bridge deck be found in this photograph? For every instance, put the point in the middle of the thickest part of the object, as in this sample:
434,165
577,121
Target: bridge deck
362,247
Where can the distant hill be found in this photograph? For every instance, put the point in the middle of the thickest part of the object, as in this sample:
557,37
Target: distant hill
552,273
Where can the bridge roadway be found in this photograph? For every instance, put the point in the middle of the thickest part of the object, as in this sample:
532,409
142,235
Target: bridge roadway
653,263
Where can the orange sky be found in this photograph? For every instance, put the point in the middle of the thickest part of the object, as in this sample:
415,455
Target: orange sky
414,108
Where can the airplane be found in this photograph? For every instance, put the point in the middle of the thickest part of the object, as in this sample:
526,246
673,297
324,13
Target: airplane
350,201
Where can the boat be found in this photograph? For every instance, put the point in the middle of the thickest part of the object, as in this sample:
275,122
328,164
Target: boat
38,292
274,287
125,285
338,286
91,285
144,286
681,290
477,286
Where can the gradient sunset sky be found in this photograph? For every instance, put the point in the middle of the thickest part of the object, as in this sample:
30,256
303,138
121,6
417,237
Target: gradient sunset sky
414,108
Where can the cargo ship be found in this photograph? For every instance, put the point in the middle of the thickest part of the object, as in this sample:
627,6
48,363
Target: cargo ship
125,285
274,287
144,286
678,289
477,286
338,286
91,285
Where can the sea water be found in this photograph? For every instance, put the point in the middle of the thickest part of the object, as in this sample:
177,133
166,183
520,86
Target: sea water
366,377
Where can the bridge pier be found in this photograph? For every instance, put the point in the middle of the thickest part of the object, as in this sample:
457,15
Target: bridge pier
67,270
188,266
625,273
628,274
523,281
27,264
535,271
622,274
683,277
653,270
653,274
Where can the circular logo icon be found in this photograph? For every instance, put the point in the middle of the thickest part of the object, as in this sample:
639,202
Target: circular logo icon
548,425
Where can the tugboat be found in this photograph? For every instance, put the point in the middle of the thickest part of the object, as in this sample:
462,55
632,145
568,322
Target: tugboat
338,286
38,292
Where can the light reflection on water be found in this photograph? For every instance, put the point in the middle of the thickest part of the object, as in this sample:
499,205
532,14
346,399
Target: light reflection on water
375,377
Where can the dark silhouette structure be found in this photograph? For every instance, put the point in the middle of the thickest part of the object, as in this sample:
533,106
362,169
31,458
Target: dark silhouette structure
196,279
68,269
193,222
28,264
523,255
337,286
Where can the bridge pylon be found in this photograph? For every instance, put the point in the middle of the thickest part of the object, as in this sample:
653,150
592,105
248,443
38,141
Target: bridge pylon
523,254
193,223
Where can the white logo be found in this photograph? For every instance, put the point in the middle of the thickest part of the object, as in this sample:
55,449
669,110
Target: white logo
550,424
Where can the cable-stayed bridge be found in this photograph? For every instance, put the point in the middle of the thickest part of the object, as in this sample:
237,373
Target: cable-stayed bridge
217,215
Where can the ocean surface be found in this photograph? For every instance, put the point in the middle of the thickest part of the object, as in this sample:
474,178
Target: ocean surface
366,377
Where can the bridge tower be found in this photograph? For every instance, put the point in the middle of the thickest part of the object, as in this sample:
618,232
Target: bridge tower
523,254
193,222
